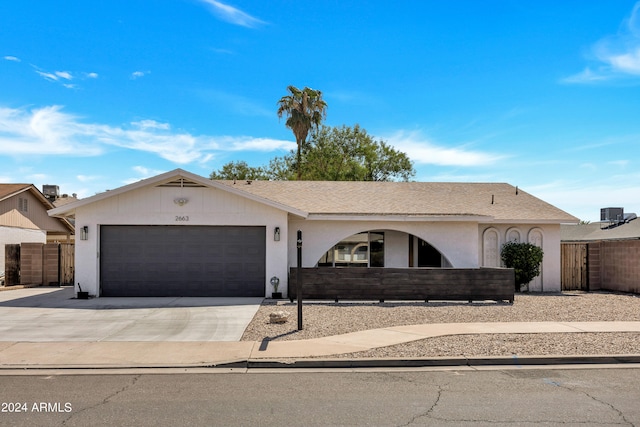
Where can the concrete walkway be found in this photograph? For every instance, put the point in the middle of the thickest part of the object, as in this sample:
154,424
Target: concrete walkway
138,354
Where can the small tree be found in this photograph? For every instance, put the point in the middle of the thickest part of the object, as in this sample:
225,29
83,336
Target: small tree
239,170
524,258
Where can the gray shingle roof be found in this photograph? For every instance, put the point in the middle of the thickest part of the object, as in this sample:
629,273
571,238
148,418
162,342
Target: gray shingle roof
496,200
597,231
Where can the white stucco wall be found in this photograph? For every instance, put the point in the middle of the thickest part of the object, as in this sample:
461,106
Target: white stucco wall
457,241
15,235
155,206
396,249
551,264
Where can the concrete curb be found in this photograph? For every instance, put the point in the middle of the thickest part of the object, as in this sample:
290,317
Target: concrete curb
442,362
514,361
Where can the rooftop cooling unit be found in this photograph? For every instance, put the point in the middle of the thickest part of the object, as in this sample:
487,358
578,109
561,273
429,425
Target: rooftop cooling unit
51,191
614,215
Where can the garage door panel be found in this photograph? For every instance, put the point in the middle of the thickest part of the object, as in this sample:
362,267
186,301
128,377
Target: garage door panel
182,261
214,269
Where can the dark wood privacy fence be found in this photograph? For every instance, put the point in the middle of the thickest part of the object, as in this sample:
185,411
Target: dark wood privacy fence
458,284
39,264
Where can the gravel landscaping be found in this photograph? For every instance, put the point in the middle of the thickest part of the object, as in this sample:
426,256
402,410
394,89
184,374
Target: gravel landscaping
326,318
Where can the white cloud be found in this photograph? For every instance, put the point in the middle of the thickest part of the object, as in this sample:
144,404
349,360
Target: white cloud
12,58
422,150
143,173
87,178
43,131
151,124
50,131
55,76
146,172
232,15
139,74
64,75
48,76
619,163
39,177
247,143
587,76
616,55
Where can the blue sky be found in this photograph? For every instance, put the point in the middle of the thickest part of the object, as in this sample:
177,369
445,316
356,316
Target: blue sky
544,95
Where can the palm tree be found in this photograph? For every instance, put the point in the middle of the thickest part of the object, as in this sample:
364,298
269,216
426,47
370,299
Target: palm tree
305,109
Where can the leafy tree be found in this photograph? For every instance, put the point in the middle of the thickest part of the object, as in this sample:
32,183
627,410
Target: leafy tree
305,109
350,154
239,170
524,258
332,154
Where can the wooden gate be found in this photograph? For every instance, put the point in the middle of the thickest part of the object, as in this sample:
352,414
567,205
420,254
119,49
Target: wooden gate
574,270
12,264
67,265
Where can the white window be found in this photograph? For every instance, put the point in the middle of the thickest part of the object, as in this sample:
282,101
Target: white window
360,250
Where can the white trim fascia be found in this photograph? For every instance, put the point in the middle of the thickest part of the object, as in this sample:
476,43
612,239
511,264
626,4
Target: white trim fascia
69,209
529,221
398,218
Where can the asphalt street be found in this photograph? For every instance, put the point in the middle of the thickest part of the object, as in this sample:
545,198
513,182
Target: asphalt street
543,396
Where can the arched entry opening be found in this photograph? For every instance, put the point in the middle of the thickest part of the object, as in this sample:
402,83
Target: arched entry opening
383,248
364,249
423,254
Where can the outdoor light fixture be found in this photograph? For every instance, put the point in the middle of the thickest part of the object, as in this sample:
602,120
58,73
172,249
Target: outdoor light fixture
84,233
180,201
276,234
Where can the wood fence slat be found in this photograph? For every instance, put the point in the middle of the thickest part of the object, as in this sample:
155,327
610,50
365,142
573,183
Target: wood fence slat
573,261
464,284
67,265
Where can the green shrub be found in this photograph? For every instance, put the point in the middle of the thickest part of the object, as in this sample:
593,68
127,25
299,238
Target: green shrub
524,258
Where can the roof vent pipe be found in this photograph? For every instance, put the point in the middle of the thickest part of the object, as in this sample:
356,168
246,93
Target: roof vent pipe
492,198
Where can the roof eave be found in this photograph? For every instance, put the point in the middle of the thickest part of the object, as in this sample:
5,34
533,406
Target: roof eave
534,221
397,217
69,209
18,191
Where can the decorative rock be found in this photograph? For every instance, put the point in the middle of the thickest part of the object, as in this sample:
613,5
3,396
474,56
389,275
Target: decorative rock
278,317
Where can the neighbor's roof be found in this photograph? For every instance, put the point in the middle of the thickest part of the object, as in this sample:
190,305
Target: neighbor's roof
8,190
598,231
495,200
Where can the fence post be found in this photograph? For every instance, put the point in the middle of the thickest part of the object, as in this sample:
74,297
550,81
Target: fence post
299,280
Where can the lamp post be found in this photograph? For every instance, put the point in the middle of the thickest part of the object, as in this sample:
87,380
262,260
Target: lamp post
299,280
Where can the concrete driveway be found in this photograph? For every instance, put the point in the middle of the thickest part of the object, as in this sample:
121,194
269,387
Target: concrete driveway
53,314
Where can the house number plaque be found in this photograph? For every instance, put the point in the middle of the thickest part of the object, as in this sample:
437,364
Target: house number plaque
182,218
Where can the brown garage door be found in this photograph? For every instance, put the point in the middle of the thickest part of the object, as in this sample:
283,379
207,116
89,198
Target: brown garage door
172,261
